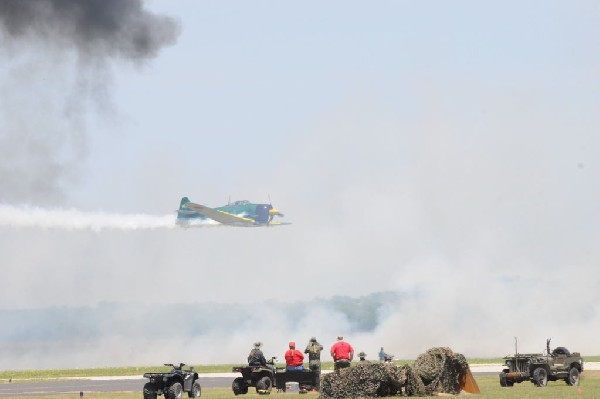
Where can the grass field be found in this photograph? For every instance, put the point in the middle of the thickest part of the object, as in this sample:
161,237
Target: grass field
489,385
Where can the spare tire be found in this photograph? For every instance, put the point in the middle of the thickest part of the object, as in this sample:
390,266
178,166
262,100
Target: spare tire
561,350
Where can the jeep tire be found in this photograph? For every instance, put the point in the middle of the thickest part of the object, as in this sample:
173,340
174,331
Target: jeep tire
175,391
573,377
150,391
540,377
503,382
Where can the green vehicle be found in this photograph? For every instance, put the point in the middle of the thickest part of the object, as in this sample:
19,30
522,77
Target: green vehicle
560,364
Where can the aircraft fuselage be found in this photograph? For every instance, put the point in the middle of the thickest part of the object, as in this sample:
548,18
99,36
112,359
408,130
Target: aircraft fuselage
246,209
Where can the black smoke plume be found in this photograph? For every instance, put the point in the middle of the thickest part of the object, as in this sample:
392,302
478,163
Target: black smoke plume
56,61
98,28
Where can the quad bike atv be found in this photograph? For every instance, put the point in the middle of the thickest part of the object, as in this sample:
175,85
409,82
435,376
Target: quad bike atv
560,364
172,384
260,377
264,378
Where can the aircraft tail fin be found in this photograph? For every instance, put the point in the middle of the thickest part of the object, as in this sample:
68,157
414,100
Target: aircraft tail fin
184,201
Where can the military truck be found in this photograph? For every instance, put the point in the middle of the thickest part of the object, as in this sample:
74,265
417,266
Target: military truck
264,378
539,368
172,384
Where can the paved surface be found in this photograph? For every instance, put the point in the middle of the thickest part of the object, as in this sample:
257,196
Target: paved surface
54,387
136,383
95,384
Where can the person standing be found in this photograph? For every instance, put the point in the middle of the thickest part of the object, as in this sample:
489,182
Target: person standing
381,354
293,358
342,353
313,349
256,357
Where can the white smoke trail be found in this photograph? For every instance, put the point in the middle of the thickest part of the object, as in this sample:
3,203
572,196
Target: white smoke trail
72,219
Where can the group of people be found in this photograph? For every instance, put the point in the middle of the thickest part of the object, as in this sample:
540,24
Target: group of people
341,352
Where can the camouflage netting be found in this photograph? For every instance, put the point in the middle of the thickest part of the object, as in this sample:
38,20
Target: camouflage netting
371,380
439,370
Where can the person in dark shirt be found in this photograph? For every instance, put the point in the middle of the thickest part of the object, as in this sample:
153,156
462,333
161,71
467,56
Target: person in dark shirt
361,358
256,357
313,349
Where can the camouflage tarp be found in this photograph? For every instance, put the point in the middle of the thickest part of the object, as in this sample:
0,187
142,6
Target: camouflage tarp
371,380
414,385
439,370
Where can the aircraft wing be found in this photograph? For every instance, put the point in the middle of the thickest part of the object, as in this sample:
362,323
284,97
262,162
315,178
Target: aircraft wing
220,216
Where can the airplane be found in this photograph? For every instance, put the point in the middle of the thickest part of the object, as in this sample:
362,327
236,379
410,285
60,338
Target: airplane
238,213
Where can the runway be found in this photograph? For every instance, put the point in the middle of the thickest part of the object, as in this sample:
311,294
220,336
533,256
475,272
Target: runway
96,384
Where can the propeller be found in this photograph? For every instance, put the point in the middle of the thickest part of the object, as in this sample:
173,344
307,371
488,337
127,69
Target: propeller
273,212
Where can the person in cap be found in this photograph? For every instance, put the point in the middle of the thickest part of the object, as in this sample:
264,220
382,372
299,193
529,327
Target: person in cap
342,353
314,349
256,357
361,358
293,358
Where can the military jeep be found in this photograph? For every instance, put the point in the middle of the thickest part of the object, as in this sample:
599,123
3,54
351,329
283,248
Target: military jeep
560,364
172,384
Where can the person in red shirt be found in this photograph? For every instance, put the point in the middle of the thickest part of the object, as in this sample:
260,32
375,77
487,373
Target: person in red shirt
342,353
293,358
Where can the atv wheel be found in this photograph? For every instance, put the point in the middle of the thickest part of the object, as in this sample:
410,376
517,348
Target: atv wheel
175,391
573,378
239,386
503,380
150,391
540,377
196,390
263,386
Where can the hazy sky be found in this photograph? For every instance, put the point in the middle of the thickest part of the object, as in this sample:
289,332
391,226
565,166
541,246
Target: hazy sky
449,149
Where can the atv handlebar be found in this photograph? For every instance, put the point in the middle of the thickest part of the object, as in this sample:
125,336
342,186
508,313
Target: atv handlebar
174,366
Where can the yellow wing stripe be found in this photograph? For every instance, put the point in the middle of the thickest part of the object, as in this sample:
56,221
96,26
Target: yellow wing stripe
220,216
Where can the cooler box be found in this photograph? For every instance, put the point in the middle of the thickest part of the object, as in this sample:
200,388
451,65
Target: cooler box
292,387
